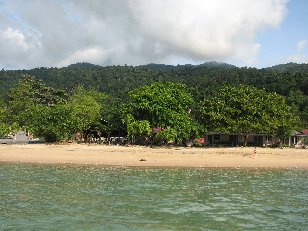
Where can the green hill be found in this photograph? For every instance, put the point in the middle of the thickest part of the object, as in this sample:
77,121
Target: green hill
290,80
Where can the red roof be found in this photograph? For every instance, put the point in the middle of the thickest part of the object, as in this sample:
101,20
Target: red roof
305,131
157,130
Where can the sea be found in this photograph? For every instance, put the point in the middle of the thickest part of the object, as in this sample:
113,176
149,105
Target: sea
77,197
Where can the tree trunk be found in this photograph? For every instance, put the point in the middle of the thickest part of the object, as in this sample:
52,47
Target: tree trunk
245,140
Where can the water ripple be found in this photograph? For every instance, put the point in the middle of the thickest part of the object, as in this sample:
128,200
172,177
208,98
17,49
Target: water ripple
37,197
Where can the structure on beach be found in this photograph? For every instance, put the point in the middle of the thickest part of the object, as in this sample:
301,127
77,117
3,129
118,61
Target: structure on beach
297,139
234,139
18,137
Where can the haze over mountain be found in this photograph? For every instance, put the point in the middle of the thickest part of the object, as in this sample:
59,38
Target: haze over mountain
213,64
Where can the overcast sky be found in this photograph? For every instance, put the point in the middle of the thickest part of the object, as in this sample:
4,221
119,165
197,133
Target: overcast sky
56,33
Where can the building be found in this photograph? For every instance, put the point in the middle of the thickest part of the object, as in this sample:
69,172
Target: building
299,139
20,137
234,139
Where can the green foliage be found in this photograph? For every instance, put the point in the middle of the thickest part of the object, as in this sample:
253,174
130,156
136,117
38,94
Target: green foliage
62,120
52,123
111,116
117,81
167,135
299,103
85,108
245,109
164,105
51,113
6,127
137,128
53,87
28,94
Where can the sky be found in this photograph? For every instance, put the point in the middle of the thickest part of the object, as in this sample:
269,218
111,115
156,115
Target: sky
56,33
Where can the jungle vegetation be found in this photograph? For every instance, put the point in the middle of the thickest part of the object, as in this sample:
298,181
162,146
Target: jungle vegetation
184,101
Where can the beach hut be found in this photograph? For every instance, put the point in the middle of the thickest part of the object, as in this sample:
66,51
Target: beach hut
238,139
299,139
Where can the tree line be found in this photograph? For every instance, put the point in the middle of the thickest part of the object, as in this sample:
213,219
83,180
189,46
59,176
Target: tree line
289,80
158,112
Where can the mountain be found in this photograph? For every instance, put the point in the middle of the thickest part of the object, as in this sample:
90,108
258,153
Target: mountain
83,65
216,64
290,67
289,80
212,64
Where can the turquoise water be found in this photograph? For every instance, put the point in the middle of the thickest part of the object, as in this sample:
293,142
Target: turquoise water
59,197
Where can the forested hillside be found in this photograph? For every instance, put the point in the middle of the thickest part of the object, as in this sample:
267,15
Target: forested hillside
289,80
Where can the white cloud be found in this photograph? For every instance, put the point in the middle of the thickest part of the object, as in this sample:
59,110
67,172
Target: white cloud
209,29
10,37
16,47
135,31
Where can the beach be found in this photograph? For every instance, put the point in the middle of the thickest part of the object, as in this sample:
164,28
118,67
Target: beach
140,156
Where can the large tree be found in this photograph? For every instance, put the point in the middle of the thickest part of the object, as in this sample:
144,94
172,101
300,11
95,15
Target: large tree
245,109
299,103
60,121
6,125
50,113
162,105
29,93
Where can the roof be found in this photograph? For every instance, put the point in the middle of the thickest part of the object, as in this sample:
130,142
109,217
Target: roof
157,129
305,131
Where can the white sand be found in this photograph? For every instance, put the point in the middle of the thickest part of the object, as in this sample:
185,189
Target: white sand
155,157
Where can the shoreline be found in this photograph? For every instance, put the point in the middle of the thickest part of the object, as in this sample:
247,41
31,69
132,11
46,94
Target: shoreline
157,157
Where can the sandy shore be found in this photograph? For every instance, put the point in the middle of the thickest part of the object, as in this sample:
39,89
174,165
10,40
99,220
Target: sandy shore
154,157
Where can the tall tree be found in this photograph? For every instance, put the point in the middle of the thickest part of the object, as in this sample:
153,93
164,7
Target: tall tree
164,105
52,113
6,125
60,121
244,109
29,93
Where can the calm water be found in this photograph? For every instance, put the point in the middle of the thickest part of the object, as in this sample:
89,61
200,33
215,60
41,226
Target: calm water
40,197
